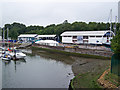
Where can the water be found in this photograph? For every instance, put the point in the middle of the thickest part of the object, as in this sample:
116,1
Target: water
36,72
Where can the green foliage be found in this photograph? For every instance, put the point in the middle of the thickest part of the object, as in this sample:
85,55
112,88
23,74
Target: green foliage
115,45
112,78
16,29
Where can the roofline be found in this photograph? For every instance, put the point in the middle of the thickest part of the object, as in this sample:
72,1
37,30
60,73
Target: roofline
87,31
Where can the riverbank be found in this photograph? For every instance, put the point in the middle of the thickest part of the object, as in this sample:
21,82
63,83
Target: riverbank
87,53
85,67
109,80
87,72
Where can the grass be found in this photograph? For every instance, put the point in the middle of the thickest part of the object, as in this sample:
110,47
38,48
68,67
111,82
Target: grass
112,78
70,53
87,80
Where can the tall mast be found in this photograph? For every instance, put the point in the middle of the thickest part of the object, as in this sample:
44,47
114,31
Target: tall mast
7,34
110,22
115,25
3,37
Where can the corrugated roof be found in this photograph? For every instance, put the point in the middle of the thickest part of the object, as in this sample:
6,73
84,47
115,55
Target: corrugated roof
45,36
84,33
27,35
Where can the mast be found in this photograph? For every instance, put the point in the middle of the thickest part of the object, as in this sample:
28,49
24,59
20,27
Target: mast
3,37
7,34
115,25
110,22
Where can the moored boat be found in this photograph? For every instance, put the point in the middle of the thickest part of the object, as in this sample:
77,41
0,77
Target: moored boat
17,54
6,57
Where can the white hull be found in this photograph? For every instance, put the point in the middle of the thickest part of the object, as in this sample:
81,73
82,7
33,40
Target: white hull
18,55
7,59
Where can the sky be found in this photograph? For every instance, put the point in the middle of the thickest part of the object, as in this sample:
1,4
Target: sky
46,12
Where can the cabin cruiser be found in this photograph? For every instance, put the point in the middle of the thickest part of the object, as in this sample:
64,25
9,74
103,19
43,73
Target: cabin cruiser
16,54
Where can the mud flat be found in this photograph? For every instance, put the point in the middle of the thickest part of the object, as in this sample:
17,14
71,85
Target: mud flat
87,71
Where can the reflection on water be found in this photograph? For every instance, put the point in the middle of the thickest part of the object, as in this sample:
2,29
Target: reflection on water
36,72
115,64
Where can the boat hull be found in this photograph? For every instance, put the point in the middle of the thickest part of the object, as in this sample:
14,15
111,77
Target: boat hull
7,59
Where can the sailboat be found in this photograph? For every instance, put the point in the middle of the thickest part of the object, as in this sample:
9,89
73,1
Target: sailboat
9,53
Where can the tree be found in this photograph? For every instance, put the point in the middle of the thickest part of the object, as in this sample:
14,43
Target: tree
115,45
18,28
14,33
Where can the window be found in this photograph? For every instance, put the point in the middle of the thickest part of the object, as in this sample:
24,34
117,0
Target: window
74,41
74,37
98,36
85,37
108,34
66,36
92,36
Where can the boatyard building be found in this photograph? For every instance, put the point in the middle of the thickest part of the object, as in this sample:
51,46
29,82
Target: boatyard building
87,37
27,37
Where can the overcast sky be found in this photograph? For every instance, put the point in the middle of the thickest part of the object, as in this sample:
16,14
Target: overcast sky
45,12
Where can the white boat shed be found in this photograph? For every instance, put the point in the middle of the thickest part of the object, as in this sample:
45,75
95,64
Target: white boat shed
27,37
87,37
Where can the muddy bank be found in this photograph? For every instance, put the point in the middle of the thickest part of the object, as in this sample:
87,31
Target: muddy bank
87,71
68,53
97,52
83,65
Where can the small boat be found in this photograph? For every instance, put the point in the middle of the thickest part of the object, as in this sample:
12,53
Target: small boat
13,53
6,57
17,54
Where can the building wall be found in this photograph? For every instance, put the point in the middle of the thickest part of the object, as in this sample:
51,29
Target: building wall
26,39
90,40
119,11
67,39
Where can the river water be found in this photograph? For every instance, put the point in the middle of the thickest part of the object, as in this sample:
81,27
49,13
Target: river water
36,71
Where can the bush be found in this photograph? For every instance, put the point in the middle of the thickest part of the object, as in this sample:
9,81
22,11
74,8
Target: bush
115,45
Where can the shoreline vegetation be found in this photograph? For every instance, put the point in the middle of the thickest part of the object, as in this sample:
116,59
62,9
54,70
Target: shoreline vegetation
109,80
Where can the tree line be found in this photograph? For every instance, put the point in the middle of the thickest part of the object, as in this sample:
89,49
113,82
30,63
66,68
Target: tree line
16,29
